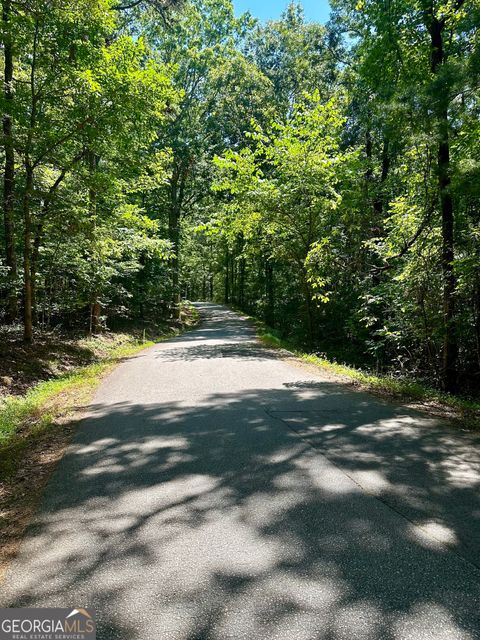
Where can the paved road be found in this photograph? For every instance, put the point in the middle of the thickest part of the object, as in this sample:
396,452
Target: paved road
218,491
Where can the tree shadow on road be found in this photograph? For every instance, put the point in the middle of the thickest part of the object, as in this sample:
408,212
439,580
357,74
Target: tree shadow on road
220,521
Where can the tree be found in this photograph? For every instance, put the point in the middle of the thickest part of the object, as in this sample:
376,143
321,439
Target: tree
9,165
429,50
199,43
287,187
83,92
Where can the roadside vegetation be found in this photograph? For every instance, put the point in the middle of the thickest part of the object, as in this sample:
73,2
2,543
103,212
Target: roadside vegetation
322,177
464,412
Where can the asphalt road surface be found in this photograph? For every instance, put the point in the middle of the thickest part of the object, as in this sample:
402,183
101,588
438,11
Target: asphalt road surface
219,491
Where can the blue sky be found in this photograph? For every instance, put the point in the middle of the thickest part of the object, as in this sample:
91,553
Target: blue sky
265,9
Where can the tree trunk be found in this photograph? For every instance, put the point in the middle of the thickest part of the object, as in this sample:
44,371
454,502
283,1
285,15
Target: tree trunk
476,313
27,196
174,235
233,273
450,346
241,293
9,167
270,293
41,222
379,200
310,316
96,311
33,271
27,251
177,189
95,307
227,277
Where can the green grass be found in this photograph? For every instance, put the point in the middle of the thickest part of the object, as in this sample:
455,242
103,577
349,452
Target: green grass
24,418
406,388
468,411
28,416
14,411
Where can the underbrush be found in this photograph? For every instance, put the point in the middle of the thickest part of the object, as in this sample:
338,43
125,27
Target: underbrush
466,410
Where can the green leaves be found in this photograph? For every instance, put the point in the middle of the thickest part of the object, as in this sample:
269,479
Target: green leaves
289,166
284,188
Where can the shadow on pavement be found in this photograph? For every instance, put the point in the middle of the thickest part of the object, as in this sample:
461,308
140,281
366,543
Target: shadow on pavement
220,520
245,532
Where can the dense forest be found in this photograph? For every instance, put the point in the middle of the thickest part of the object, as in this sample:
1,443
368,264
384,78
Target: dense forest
324,178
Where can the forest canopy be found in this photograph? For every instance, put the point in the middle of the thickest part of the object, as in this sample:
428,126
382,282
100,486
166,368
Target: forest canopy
324,178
